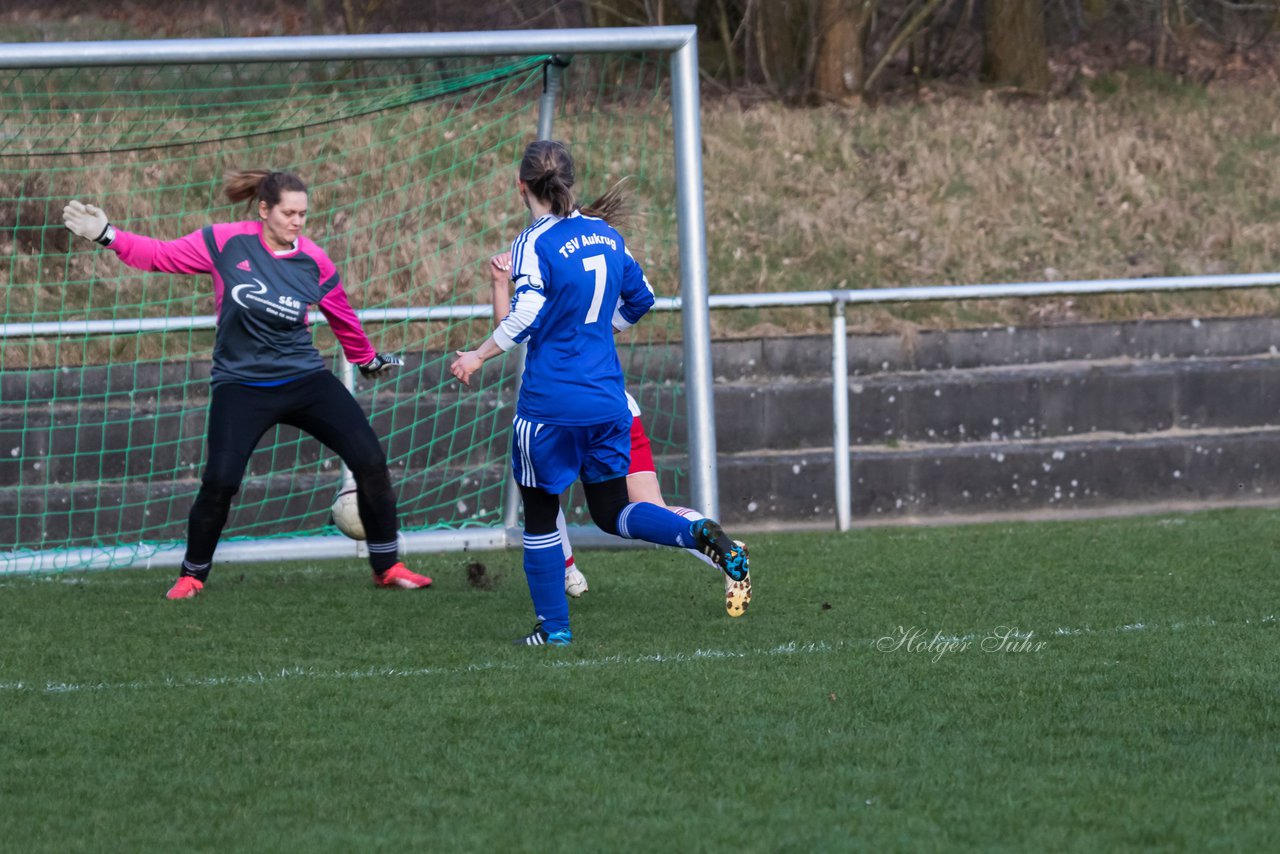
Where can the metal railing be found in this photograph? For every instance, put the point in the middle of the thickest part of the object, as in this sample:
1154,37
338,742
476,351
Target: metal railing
837,300
840,300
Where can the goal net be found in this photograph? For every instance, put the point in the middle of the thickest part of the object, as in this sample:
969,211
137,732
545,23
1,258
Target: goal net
104,370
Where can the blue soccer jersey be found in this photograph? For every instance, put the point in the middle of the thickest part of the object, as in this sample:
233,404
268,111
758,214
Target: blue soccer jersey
574,284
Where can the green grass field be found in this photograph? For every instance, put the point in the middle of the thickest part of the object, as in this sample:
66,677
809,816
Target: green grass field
864,703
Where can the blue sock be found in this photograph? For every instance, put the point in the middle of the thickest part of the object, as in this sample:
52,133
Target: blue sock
544,570
654,524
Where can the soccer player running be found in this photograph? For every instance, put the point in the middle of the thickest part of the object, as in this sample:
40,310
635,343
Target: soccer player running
570,268
642,475
266,369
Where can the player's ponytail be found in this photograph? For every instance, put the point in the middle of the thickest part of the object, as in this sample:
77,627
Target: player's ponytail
547,170
612,207
253,185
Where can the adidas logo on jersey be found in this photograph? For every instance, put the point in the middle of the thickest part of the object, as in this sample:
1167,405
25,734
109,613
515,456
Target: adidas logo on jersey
244,265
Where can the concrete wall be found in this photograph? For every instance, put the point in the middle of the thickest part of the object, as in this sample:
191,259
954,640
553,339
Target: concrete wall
1086,417
994,421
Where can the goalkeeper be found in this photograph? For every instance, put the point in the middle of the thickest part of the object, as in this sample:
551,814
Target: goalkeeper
266,369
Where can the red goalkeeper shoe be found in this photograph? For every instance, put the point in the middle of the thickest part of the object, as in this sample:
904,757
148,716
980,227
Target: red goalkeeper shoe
185,587
399,576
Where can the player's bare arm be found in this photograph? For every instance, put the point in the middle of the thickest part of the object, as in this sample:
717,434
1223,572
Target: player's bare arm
469,361
500,278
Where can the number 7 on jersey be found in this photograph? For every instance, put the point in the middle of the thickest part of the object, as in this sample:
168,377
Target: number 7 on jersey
595,264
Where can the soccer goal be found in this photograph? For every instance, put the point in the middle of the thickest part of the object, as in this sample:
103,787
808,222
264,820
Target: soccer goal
409,144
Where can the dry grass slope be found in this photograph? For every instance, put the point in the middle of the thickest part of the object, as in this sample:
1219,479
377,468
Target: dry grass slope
1135,180
1133,177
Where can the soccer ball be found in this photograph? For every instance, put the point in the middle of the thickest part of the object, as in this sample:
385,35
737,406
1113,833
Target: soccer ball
346,515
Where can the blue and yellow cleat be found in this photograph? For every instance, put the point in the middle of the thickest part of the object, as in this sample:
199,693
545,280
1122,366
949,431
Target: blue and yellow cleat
732,558
737,594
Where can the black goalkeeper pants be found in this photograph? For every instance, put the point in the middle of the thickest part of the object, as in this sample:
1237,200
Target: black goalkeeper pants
318,404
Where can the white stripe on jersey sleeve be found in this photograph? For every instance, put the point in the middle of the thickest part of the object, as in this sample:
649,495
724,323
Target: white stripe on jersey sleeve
524,260
524,311
526,275
620,323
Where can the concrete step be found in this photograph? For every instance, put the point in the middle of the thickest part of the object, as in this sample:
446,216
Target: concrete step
946,422
105,438
1086,472
83,514
1006,404
1091,472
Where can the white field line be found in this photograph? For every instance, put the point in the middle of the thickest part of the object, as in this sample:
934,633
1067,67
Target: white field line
133,576
266,677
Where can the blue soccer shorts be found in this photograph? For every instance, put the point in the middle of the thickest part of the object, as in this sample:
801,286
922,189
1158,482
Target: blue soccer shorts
552,456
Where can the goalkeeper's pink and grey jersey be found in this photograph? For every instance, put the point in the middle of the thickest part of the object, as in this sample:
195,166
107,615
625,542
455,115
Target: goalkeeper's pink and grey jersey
260,298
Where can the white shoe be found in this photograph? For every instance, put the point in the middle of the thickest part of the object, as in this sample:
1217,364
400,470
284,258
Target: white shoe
575,583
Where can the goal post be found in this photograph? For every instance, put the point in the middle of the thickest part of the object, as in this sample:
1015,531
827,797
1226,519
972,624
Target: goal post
409,143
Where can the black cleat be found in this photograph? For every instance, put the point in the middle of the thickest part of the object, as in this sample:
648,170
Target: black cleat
712,541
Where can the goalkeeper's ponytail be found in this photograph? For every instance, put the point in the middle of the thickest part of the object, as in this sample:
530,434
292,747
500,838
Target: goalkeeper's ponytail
254,185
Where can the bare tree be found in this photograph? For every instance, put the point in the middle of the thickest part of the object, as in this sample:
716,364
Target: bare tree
1014,46
357,14
839,71
316,16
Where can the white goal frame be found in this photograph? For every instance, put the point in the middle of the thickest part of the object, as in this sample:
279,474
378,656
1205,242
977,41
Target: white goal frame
680,42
